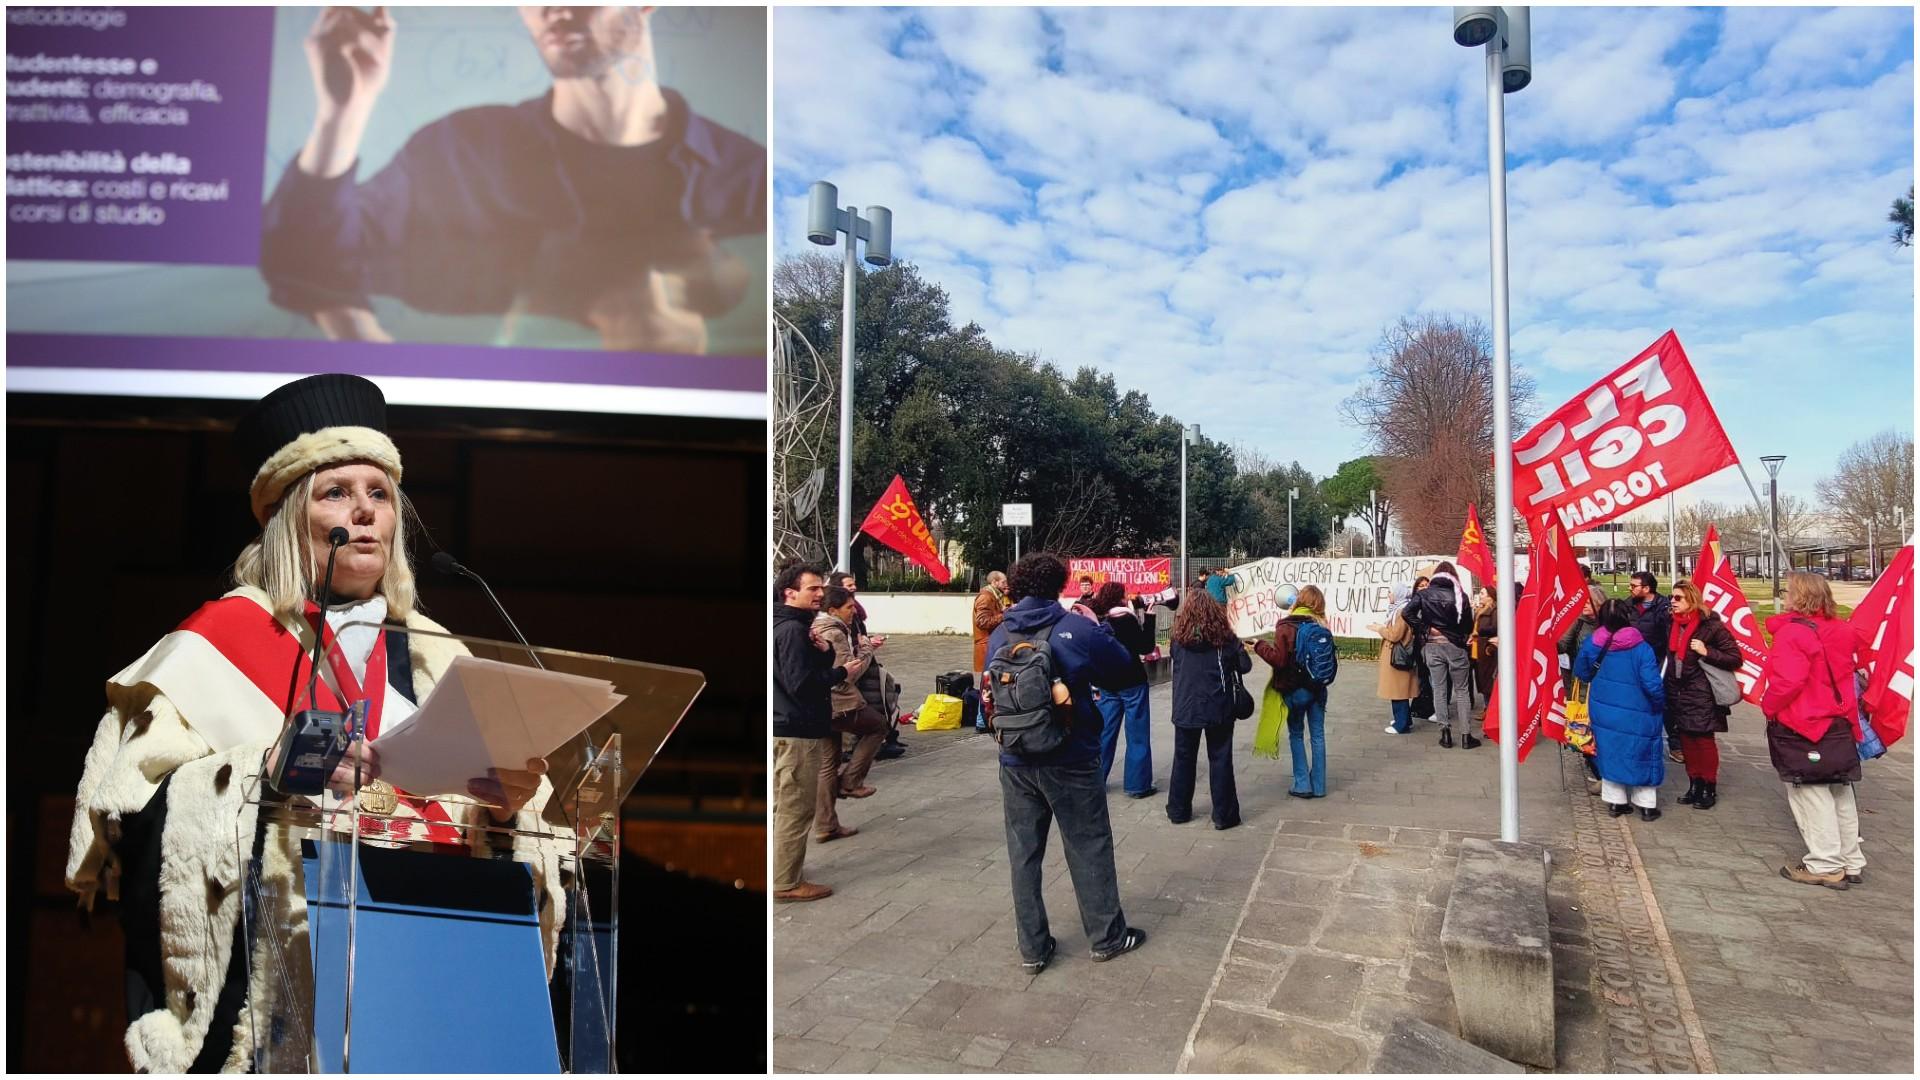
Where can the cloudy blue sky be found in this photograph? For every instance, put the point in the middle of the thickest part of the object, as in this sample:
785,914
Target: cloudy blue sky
1224,207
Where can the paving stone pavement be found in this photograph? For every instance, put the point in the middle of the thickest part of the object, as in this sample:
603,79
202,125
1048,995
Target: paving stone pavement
1783,977
1292,942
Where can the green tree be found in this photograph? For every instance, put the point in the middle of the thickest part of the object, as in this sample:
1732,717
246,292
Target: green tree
1902,217
1356,490
970,426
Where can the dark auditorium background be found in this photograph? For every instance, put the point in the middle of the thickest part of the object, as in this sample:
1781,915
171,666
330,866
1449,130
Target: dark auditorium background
635,536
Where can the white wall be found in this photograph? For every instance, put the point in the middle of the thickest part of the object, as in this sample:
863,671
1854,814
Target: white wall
919,613
931,613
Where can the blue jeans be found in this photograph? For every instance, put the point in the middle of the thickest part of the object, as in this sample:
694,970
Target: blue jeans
1403,716
1032,796
1308,707
1128,707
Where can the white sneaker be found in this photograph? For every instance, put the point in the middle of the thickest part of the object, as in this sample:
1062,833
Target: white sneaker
1391,730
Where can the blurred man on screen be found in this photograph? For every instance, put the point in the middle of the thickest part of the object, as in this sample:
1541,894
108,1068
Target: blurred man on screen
599,202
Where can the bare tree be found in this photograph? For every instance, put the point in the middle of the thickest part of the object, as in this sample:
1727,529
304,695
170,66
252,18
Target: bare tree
1428,412
808,276
1076,529
1871,479
1646,538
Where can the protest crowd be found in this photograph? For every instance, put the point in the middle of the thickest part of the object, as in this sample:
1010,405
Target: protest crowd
1061,664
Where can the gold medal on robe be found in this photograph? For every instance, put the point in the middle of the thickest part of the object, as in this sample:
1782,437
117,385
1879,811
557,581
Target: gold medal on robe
379,797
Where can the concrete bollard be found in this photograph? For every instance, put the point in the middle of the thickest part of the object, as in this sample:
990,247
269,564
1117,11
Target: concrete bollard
1416,1047
1499,950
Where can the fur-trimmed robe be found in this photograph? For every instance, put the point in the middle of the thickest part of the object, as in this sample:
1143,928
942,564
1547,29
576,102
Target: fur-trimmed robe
142,739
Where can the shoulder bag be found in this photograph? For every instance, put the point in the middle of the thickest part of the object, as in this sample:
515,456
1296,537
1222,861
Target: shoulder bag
1834,759
1726,688
1230,682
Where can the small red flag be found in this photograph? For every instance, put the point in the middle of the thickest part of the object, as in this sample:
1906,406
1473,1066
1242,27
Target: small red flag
1555,595
1883,624
896,522
1474,555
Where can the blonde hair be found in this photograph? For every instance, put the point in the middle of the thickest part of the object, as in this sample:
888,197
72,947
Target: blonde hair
281,562
1313,600
1809,594
1691,592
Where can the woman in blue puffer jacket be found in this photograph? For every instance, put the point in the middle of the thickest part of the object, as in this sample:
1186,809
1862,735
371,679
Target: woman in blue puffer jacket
1626,701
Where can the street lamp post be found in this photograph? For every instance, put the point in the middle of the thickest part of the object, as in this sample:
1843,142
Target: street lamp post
1292,494
1187,434
1505,33
1773,463
826,220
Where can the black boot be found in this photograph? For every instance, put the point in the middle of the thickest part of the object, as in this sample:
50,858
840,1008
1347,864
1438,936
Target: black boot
1446,737
1649,813
1617,809
1469,741
1693,792
1709,794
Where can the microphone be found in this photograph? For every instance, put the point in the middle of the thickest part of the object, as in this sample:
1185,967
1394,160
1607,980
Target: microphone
313,741
447,564
336,537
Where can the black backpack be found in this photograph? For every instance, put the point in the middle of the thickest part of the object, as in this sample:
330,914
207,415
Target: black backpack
1021,677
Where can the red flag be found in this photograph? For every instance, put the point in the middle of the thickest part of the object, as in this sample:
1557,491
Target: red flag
1644,430
1884,624
1720,593
1474,554
1872,610
1554,598
896,522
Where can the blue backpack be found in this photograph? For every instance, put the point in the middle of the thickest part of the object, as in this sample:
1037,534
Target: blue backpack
1313,654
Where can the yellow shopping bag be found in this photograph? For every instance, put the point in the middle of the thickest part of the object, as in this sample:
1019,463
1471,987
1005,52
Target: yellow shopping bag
1579,730
1273,719
940,712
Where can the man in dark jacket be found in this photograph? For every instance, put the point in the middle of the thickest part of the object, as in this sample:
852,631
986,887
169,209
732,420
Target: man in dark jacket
1653,617
601,201
1441,619
804,676
1063,783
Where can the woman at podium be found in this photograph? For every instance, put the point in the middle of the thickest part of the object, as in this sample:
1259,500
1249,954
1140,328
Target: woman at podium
192,727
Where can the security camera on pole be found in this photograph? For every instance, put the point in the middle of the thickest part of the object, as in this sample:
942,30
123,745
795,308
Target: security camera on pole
825,221
1504,32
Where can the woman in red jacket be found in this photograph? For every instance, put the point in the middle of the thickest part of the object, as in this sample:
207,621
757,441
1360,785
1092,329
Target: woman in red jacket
1812,731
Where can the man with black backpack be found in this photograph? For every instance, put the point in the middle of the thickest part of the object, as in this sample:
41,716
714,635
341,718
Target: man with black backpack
1043,663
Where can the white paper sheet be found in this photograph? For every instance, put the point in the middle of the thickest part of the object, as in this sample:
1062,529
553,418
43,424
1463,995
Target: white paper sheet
484,714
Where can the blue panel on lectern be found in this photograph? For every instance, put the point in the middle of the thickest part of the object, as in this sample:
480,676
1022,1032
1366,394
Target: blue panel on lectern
449,974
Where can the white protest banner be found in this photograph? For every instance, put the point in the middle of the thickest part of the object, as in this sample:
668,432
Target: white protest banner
1359,591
